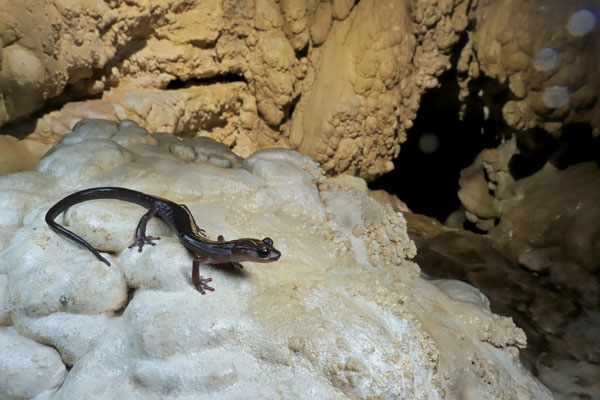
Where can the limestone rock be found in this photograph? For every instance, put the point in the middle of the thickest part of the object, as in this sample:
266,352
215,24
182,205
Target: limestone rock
549,211
344,312
364,84
19,155
548,54
249,74
561,325
556,210
474,191
27,369
321,23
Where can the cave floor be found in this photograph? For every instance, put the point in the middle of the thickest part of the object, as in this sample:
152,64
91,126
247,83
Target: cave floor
559,309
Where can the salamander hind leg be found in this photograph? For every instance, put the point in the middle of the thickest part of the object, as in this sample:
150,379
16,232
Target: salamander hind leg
199,281
140,234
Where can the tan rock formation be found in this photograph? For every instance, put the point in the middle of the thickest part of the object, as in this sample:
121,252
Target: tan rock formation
138,46
561,325
364,83
554,213
19,155
551,213
339,81
546,53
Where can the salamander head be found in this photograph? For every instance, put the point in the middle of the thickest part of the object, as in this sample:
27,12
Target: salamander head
254,250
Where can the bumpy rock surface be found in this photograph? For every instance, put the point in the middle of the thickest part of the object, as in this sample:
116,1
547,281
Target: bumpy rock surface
556,304
547,54
364,83
554,214
551,215
336,80
28,368
339,81
343,313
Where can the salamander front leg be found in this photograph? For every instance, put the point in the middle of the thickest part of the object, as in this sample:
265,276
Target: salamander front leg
237,265
199,281
140,234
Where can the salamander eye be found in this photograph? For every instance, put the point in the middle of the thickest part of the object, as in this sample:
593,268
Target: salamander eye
262,252
268,241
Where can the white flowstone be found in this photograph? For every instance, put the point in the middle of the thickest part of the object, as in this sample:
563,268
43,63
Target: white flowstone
27,369
342,314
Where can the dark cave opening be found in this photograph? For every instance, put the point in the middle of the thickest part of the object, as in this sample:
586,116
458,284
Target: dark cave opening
303,52
535,148
575,145
441,143
23,127
183,84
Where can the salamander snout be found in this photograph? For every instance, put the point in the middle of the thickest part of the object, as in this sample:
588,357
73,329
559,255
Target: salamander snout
266,252
255,250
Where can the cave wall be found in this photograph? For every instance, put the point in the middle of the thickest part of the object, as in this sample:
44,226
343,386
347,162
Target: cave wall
338,81
546,53
342,81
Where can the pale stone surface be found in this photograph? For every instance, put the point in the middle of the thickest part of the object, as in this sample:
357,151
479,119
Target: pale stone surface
342,314
381,195
336,80
5,318
128,51
295,18
353,91
225,112
474,191
321,23
27,368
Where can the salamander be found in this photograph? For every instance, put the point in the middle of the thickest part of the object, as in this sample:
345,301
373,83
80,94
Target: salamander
180,219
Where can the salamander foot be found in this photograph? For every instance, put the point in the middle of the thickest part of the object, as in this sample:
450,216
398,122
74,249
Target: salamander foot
201,284
141,241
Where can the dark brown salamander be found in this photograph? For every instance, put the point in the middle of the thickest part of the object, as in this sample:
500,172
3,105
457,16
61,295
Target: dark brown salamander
180,219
